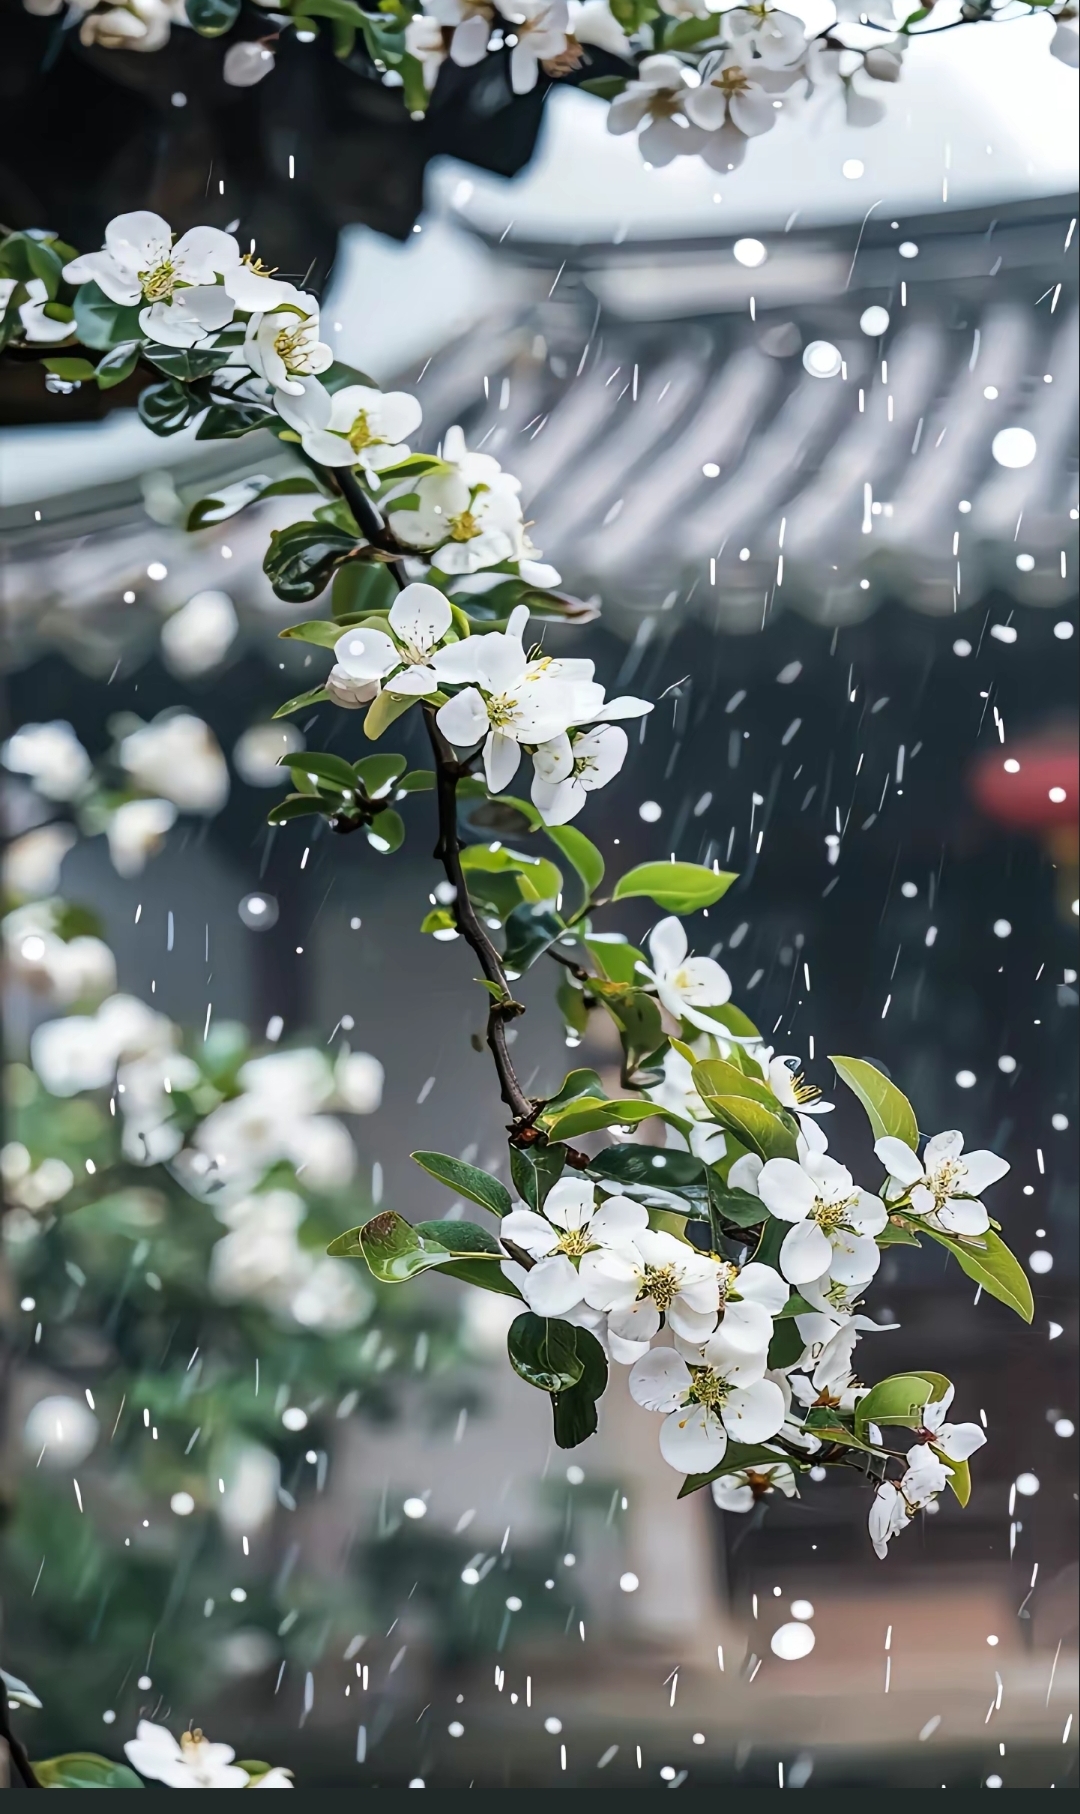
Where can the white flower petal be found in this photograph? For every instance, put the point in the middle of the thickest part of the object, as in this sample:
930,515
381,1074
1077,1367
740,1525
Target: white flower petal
528,1230
806,1252
551,1287
660,1380
420,615
898,1159
788,1192
463,720
667,944
981,1169
692,1440
963,1216
501,758
759,1284
754,1413
366,654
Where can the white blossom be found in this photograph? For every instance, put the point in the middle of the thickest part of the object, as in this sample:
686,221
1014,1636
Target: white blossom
140,263
565,772
540,27
52,756
411,662
1065,43
194,1763
508,705
424,41
354,426
955,1441
31,864
685,985
136,25
467,516
764,34
592,22
894,1505
179,758
653,1276
38,327
136,831
470,23
657,101
730,96
347,692
283,346
722,1396
740,1492
572,1227
199,635
834,1220
946,1185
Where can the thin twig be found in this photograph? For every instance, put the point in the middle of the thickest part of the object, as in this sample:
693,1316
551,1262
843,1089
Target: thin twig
503,1007
24,1769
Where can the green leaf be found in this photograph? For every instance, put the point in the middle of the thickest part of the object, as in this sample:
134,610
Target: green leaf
227,421
418,781
73,371
302,557
737,1455
376,773
468,1181
716,1077
167,408
360,587
212,18
543,1351
574,1411
756,1126
101,323
739,1207
897,1400
333,770
388,828
689,32
897,1234
888,1109
664,1166
318,630
314,696
396,1250
591,1113
187,363
960,1478
295,806
383,711
530,929
84,1770
987,1260
680,887
580,854
787,1345
733,1020
607,87
640,1027
117,364
231,499
616,959
440,919
534,1169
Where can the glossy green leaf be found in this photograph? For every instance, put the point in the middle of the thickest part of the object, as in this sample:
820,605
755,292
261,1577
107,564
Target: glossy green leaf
387,831
118,364
84,1770
678,887
440,919
716,1077
530,929
737,1455
227,421
102,324
167,408
787,1345
295,806
211,18
396,1250
888,1109
543,1351
187,363
897,1234
574,1411
468,1181
616,959
759,1129
534,1169
986,1259
334,771
362,586
590,1114
376,773
582,855
897,1400
72,370
640,1028
733,1020
739,1208
607,87
318,630
664,1166
301,559
314,696
959,1478
384,711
